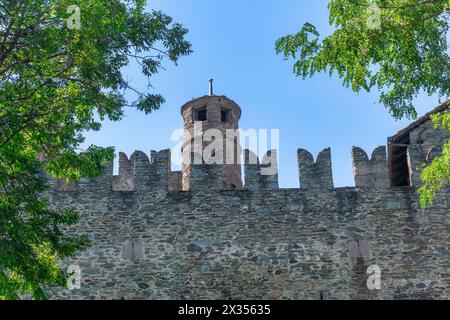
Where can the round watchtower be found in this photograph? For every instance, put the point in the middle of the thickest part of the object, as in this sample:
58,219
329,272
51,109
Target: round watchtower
212,112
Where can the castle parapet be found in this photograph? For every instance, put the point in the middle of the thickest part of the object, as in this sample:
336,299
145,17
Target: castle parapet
125,180
149,174
137,173
373,172
141,171
204,177
261,176
96,184
317,174
160,170
144,173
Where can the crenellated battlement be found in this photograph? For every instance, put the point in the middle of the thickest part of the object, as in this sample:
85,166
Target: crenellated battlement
315,174
261,175
139,173
200,233
373,172
408,150
151,173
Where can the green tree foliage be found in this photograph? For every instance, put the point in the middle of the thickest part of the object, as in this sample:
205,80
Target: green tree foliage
397,47
437,175
60,75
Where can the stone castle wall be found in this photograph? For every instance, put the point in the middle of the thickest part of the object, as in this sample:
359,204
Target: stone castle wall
261,242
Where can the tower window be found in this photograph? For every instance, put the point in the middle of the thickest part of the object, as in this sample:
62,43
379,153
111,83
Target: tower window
201,115
225,115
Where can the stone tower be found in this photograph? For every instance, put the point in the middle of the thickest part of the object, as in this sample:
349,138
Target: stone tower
200,115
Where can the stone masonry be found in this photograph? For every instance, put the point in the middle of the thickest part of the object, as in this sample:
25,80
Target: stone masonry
157,234
220,114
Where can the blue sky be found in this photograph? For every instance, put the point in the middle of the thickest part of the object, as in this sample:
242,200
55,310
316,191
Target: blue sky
234,42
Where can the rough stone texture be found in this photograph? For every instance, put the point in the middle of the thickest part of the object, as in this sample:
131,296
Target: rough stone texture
206,177
260,243
317,174
415,160
152,241
373,172
175,181
425,144
62,186
125,180
260,176
426,137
